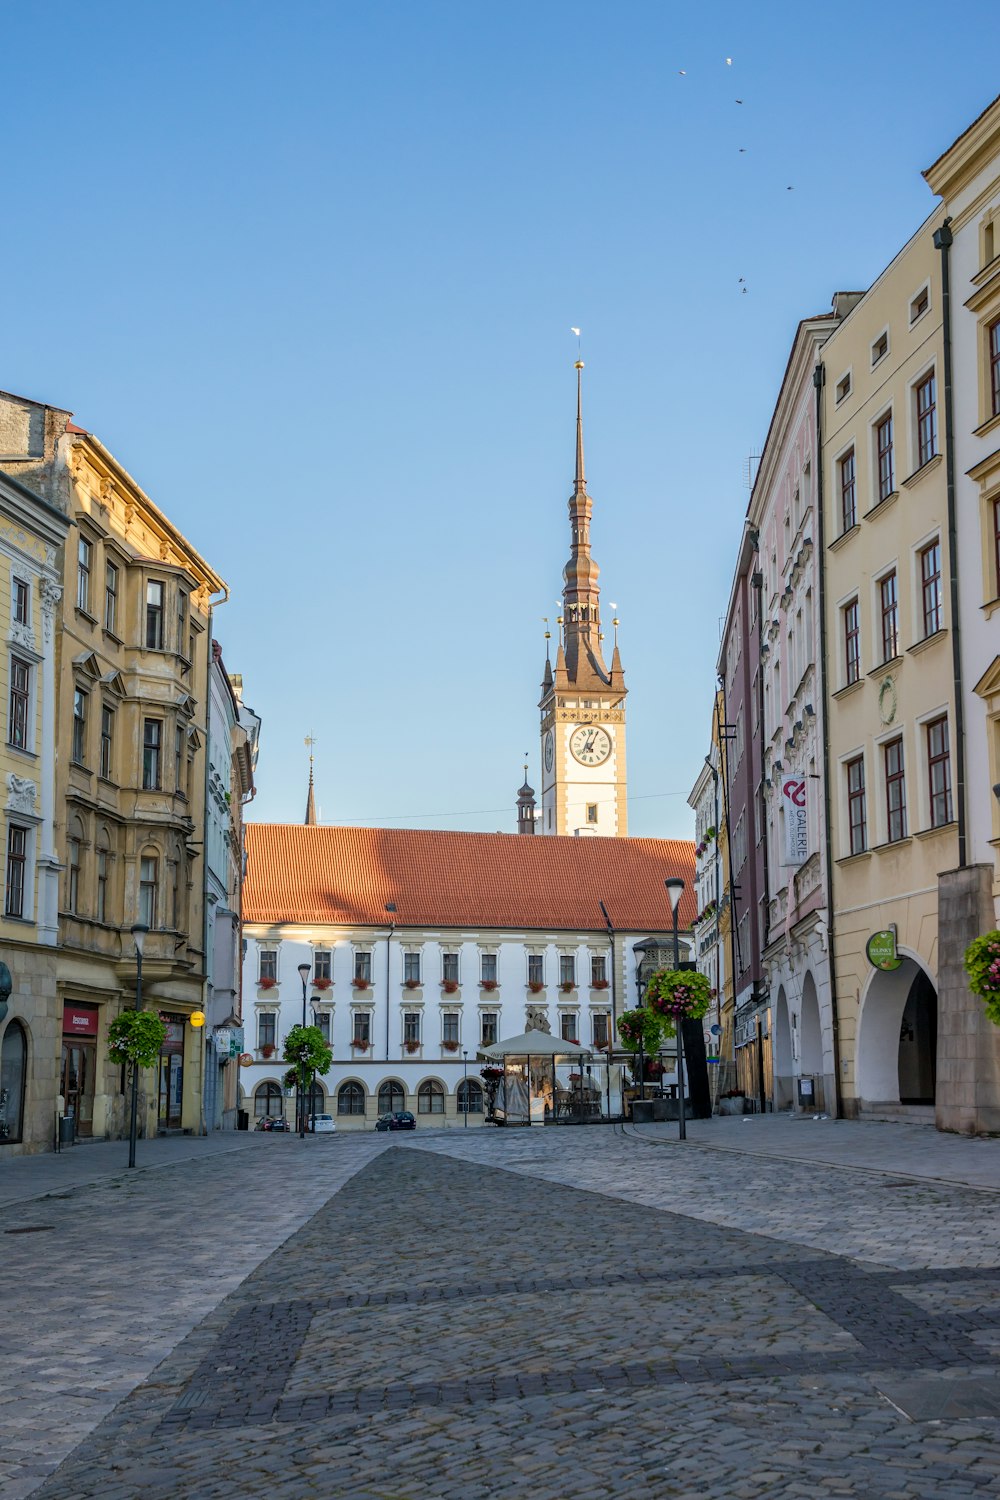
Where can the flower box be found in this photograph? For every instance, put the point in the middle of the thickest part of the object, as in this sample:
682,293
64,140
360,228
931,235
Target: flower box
267,1051
412,984
322,984
450,1046
267,984
536,988
360,984
359,1045
567,986
488,984
599,984
411,1047
450,986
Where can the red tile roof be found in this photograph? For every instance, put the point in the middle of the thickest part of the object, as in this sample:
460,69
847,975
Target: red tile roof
302,874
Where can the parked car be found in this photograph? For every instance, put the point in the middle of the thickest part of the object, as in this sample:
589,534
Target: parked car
322,1123
397,1119
272,1122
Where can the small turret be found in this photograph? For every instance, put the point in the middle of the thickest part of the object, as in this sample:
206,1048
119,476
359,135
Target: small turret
311,798
526,806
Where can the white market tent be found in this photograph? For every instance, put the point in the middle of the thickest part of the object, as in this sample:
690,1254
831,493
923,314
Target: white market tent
532,1046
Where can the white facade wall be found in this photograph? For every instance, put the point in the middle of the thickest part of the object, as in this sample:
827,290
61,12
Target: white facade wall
386,1058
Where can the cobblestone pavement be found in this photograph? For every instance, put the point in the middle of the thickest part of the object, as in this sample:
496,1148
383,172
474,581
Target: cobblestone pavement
574,1313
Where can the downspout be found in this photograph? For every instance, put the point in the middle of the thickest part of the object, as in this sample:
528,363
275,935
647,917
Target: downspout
203,1126
943,242
819,380
614,1015
722,727
757,582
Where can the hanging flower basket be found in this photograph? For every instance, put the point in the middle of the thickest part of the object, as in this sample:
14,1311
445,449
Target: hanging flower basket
360,984
599,984
982,964
450,986
322,984
450,1046
360,1045
267,984
536,987
412,984
135,1037
678,994
488,984
640,1028
491,1073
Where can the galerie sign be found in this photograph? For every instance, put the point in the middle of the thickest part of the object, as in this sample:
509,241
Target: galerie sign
795,802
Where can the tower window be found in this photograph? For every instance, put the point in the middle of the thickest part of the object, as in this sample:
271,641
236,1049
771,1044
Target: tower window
591,812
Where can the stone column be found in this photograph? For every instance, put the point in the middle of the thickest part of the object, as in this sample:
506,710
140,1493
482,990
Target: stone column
968,1045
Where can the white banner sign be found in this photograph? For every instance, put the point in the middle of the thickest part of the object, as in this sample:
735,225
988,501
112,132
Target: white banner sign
795,802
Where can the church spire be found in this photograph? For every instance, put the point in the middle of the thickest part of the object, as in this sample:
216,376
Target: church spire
581,592
311,798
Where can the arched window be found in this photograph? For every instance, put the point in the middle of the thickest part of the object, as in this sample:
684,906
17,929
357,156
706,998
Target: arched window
74,848
268,1100
351,1098
473,1091
13,1056
103,874
391,1096
430,1098
316,1100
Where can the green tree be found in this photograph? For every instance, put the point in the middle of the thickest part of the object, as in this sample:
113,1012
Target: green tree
308,1054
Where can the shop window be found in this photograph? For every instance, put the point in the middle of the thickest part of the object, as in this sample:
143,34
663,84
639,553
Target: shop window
13,1058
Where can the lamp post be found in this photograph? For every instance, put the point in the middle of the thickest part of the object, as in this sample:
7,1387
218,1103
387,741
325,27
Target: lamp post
465,1088
312,1090
675,889
139,937
304,972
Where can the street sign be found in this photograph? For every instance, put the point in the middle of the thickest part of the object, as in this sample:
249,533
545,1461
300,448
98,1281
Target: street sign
881,950
715,1030
246,1058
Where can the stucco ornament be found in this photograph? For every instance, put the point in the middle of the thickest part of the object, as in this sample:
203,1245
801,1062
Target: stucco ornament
536,1019
20,794
887,701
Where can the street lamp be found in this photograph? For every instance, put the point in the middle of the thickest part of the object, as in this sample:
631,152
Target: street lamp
675,889
465,1087
139,936
304,972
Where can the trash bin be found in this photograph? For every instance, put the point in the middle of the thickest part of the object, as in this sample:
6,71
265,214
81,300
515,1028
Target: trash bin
242,1119
67,1130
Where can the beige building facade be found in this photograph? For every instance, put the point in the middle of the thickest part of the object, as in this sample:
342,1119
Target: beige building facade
132,661
890,687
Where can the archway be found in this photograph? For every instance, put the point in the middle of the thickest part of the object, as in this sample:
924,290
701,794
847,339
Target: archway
897,1038
782,1043
13,1070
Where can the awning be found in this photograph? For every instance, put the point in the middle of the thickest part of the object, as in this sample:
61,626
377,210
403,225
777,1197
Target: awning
534,1044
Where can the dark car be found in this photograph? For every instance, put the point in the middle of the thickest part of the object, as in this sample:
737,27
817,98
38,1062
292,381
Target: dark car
398,1119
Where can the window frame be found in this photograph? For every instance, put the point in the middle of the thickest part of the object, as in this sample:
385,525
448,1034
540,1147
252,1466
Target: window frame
152,755
938,759
925,418
848,487
850,614
112,575
931,594
888,616
885,458
430,1097
16,870
149,890
107,753
78,753
154,616
84,570
19,718
267,964
857,805
894,779
20,596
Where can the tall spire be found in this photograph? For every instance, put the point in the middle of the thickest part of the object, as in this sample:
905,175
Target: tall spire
580,483
581,592
311,798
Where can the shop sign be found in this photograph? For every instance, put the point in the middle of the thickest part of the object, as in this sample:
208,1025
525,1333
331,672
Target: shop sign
795,803
881,950
79,1020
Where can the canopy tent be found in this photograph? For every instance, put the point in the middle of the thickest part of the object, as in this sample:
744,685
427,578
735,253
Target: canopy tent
534,1044
532,1079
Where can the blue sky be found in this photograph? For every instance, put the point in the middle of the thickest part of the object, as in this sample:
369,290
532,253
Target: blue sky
309,270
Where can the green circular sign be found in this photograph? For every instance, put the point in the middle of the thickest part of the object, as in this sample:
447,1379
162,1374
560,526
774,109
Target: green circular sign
881,950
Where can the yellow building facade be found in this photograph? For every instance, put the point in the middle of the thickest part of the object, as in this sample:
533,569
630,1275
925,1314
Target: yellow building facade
132,660
889,668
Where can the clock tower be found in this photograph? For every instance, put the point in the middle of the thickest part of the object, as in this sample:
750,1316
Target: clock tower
583,701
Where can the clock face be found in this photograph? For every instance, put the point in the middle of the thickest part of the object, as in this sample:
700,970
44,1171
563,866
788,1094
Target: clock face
590,744
549,752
